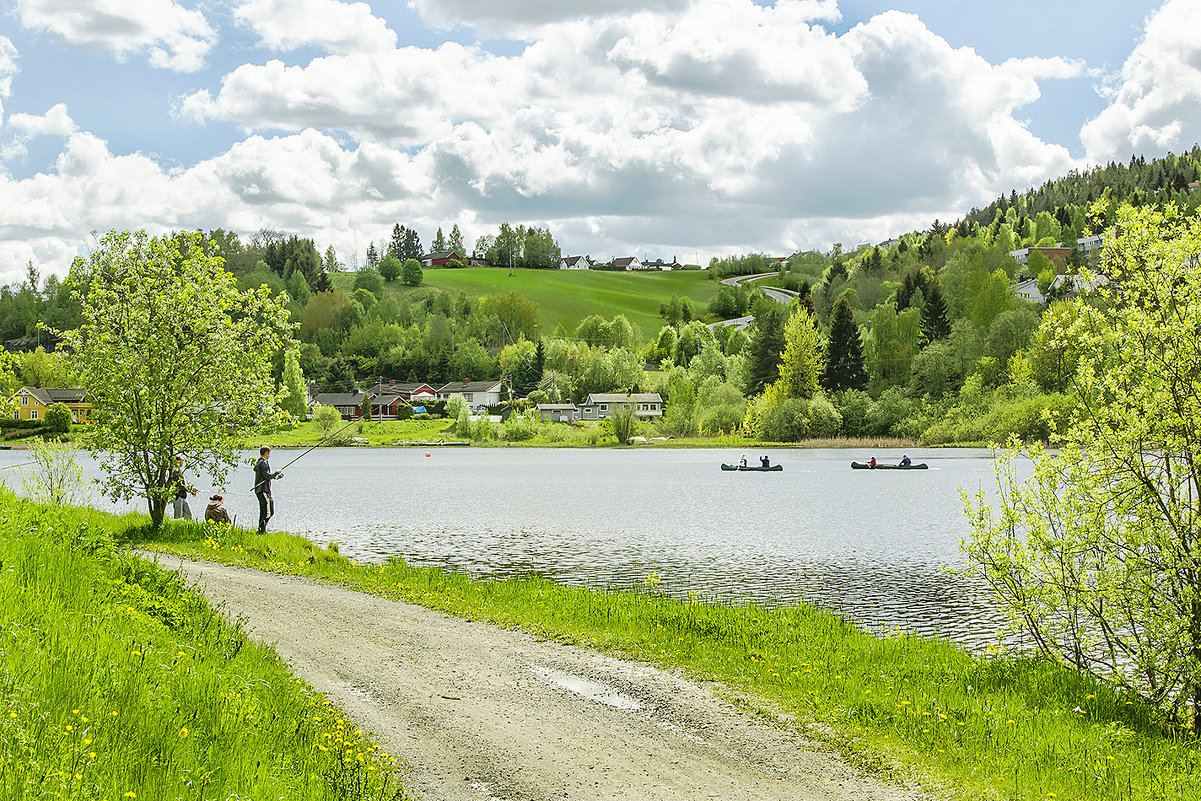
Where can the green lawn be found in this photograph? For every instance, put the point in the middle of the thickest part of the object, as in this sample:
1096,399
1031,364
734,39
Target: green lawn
565,297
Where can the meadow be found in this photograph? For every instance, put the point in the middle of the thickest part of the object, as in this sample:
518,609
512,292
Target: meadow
118,682
566,297
916,710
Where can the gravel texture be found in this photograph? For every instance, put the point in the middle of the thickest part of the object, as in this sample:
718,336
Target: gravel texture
478,712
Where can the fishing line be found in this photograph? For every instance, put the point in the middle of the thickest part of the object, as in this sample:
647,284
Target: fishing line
310,450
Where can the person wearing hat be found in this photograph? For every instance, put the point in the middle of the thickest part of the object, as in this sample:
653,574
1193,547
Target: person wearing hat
216,512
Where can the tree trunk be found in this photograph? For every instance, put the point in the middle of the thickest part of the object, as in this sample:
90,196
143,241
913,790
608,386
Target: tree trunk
158,510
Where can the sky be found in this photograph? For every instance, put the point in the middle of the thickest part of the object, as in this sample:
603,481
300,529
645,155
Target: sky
654,128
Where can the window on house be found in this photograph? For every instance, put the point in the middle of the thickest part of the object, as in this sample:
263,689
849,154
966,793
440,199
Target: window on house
467,397
33,415
604,407
17,415
24,400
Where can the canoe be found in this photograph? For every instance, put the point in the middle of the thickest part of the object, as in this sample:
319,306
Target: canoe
753,468
862,466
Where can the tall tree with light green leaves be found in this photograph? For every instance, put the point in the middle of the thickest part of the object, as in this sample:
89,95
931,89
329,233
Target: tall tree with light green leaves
802,360
176,360
295,399
1096,556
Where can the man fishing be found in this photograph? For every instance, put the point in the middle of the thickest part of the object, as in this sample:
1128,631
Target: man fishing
263,476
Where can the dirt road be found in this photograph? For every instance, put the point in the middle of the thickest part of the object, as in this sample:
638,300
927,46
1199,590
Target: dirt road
477,712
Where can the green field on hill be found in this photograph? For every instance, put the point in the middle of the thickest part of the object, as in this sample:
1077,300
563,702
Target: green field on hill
565,297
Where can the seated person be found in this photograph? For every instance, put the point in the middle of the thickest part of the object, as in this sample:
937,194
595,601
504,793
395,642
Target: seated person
872,463
905,462
765,462
216,512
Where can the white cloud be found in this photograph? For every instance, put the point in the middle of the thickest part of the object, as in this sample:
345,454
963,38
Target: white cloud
510,16
335,26
55,122
172,37
1156,105
614,142
8,70
764,53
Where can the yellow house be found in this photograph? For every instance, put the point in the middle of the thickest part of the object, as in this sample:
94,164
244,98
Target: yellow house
32,403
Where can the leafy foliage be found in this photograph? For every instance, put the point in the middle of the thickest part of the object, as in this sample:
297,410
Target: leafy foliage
175,358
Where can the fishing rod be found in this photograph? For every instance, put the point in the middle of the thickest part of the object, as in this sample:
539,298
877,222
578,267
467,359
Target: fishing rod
310,450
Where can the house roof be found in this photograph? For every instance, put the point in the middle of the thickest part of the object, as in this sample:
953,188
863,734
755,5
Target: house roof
471,386
398,389
443,254
340,398
622,397
49,395
625,261
556,407
573,260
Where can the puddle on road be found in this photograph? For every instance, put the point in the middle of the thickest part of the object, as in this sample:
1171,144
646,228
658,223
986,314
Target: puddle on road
591,690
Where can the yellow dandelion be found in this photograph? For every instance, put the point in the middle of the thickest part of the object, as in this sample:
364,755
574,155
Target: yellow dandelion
131,794
183,732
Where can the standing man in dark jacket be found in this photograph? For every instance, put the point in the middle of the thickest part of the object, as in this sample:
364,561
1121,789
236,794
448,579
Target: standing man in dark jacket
262,487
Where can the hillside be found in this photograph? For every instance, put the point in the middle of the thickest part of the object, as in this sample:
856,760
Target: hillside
565,297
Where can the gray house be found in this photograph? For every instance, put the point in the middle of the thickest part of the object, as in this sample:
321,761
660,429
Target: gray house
557,412
598,406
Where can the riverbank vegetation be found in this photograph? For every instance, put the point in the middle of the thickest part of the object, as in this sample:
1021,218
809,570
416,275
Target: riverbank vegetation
117,682
940,335
984,726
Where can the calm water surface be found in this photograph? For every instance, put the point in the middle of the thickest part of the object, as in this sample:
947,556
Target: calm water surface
875,546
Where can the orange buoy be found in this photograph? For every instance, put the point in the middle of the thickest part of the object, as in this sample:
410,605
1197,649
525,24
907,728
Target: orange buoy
427,453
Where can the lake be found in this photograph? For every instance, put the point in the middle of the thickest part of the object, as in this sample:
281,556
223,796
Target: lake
875,546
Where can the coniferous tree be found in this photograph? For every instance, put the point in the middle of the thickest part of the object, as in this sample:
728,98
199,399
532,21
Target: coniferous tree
396,246
844,353
935,324
372,256
439,244
766,346
455,242
412,246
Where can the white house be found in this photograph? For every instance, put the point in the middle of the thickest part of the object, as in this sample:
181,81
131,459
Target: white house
478,394
628,263
598,406
575,263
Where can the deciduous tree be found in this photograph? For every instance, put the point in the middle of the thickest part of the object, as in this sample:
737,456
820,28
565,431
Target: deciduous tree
176,360
1096,556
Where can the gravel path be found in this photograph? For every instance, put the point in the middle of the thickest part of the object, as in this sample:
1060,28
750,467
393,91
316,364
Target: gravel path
477,712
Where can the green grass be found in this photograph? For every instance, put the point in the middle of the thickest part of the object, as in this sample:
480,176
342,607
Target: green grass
566,297
970,727
117,682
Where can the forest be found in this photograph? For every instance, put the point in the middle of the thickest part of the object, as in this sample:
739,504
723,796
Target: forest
923,338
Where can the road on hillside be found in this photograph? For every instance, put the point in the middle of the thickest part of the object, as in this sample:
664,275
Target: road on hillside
482,713
775,293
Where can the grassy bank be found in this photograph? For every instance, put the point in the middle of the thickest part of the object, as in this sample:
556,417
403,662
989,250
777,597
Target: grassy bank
384,433
976,727
117,682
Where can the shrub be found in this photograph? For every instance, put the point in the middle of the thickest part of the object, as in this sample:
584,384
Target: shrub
58,418
824,419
